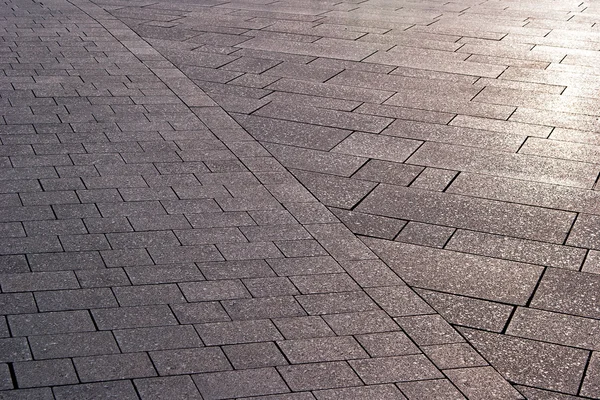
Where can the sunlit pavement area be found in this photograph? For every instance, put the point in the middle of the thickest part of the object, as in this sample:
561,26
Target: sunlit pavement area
299,199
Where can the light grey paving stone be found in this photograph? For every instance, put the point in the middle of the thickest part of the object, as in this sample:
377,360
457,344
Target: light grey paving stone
254,355
533,363
44,373
375,392
243,383
569,292
464,274
516,249
482,383
96,391
180,387
325,375
431,389
189,361
114,367
395,369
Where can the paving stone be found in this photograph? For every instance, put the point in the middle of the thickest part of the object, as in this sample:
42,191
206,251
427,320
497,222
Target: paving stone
254,355
369,225
237,332
157,338
72,345
585,232
189,361
464,274
429,330
321,349
360,322
482,383
200,312
395,369
516,249
569,292
425,234
264,307
148,295
114,367
376,392
386,344
399,301
469,213
61,300
533,363
316,376
557,328
14,349
181,387
468,311
50,323
432,389
252,382
454,355
120,389
133,317
44,373
590,385
156,274
214,290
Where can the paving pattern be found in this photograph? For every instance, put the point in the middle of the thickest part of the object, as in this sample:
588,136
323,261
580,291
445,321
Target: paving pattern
307,199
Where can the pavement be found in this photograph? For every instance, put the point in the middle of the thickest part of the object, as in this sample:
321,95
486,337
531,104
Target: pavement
299,199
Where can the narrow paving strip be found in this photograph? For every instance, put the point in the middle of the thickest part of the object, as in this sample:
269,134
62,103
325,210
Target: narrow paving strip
151,248
459,140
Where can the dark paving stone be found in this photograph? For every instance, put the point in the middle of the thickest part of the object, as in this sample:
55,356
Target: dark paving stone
252,382
532,363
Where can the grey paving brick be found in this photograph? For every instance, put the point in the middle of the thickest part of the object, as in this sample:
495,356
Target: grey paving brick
17,303
14,349
482,382
399,300
454,355
112,367
300,248
464,274
181,387
61,300
568,292
436,388
324,283
49,323
305,266
65,261
322,349
157,338
379,392
360,322
13,264
96,391
184,254
429,330
168,274
319,304
264,307
254,355
200,312
265,287
370,225
386,344
369,273
523,361
316,376
39,281
303,327
252,382
395,369
590,385
72,345
237,332
44,373
133,317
